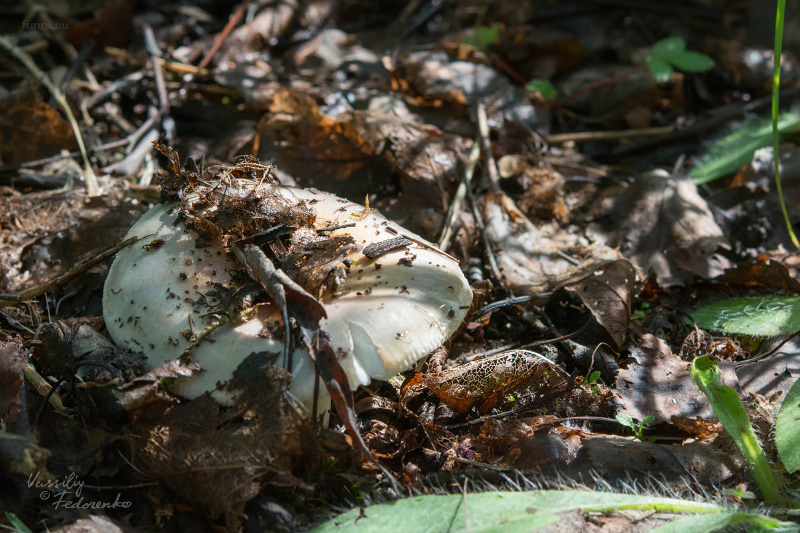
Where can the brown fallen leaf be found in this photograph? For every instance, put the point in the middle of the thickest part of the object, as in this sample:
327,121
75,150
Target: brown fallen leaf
657,382
608,295
761,273
658,212
538,258
31,129
484,383
218,459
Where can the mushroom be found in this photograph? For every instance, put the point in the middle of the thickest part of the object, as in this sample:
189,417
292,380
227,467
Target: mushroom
400,299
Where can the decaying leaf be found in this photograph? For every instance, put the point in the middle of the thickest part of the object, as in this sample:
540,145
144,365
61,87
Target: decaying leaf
31,129
483,383
307,133
660,213
656,382
537,259
608,295
218,461
761,273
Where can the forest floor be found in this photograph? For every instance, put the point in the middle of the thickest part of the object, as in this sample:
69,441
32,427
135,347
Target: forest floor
541,144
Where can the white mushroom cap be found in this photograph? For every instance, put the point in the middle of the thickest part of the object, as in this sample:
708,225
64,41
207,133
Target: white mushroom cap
390,312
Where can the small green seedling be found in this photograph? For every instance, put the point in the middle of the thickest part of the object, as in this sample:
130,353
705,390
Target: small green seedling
670,54
594,380
756,316
541,87
638,431
739,493
482,36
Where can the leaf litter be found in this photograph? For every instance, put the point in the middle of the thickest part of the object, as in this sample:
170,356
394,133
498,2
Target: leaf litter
609,259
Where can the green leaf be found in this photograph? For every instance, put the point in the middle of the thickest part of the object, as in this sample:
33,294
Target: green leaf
660,69
736,149
730,412
757,316
713,522
626,420
497,511
543,87
787,429
671,53
692,62
482,36
669,46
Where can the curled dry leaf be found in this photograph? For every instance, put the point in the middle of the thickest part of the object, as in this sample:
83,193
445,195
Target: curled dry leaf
608,295
306,134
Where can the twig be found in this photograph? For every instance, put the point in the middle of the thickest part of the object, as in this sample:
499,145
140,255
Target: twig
175,66
27,60
60,281
608,135
458,199
235,17
718,116
43,387
155,54
58,157
488,156
486,309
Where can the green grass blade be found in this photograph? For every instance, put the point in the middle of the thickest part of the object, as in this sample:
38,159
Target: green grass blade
730,412
16,524
787,430
776,86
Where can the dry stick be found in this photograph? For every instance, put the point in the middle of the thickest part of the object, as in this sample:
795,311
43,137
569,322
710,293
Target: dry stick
488,155
494,182
27,60
155,54
175,66
235,17
458,199
484,237
66,155
719,116
60,281
581,136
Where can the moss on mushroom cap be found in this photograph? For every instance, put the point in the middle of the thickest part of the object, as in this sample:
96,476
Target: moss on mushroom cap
390,312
